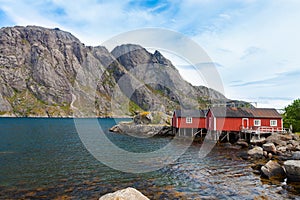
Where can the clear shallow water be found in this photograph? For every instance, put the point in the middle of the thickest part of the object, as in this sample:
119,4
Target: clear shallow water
44,158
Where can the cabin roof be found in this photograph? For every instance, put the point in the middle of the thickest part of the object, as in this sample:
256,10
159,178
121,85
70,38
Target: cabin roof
190,113
245,112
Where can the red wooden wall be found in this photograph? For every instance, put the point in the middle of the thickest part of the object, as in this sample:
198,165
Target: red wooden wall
180,122
235,124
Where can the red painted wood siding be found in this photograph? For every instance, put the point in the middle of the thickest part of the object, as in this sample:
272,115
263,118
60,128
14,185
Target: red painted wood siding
180,122
229,124
235,124
265,122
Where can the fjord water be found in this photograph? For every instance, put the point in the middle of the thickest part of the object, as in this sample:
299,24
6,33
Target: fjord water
45,159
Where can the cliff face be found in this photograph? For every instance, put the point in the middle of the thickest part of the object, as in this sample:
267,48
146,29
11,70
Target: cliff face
43,72
160,74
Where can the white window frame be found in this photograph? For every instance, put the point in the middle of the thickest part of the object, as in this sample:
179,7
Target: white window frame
272,120
189,120
258,122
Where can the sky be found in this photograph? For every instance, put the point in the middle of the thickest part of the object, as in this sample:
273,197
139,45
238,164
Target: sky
254,44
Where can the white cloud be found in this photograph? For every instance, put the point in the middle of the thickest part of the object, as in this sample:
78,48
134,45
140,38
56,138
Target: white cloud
256,48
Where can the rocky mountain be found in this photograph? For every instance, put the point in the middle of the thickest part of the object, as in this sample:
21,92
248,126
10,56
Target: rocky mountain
49,72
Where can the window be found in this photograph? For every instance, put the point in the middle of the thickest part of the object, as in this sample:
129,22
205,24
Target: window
257,122
189,120
273,122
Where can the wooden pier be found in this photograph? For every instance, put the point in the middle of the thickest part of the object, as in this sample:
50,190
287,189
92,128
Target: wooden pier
258,132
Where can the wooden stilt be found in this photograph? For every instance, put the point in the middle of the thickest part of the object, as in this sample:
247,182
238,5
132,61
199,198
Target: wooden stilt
227,136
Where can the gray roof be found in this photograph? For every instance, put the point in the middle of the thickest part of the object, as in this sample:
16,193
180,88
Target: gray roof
245,112
190,113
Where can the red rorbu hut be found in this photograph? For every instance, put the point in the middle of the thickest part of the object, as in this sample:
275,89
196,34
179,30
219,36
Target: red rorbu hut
243,119
188,122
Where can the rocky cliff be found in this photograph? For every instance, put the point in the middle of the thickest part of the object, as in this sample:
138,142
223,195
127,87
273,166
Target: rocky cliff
49,72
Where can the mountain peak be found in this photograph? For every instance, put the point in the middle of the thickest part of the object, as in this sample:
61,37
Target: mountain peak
162,60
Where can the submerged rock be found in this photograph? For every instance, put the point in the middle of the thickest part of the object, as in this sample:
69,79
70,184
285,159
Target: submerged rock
272,169
292,168
125,194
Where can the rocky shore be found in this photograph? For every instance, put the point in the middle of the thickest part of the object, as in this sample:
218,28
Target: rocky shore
276,156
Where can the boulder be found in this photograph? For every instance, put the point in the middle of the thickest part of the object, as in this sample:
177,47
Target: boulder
256,152
269,147
265,154
270,156
282,149
295,137
293,142
285,156
272,170
285,137
125,194
279,139
256,141
292,168
290,147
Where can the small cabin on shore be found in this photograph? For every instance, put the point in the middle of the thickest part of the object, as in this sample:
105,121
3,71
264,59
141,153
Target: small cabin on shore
230,119
188,122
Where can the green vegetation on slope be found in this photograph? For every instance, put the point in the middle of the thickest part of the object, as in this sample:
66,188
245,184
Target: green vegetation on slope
291,116
26,104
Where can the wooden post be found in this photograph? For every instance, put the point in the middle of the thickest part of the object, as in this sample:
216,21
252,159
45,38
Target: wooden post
227,133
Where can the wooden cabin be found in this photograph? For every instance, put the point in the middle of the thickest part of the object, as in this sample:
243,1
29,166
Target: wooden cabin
243,119
188,122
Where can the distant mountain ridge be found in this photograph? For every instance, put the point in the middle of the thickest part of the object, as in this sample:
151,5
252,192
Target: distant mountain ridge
39,70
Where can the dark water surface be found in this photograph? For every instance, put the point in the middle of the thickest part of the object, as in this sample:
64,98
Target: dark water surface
45,159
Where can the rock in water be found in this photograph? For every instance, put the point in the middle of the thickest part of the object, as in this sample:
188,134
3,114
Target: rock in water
272,169
256,152
116,129
292,168
269,147
125,194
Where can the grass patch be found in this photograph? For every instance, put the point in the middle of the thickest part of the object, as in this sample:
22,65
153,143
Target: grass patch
133,107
